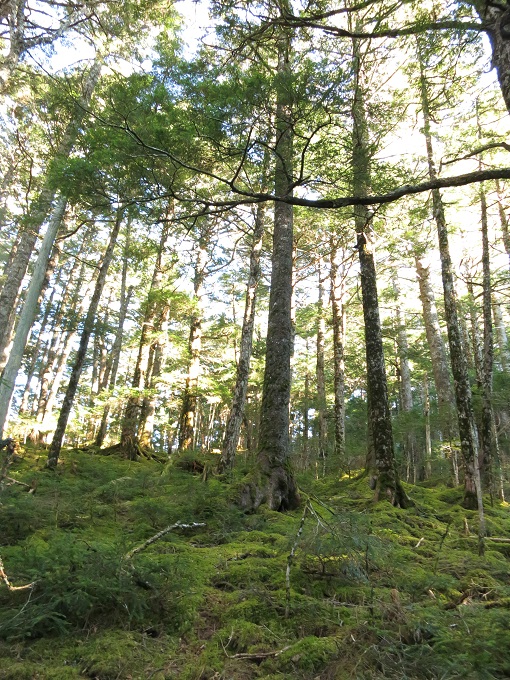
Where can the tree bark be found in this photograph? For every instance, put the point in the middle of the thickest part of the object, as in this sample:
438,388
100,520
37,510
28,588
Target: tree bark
381,463
276,485
88,327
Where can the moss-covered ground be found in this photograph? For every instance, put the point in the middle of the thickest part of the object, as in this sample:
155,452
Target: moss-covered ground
369,592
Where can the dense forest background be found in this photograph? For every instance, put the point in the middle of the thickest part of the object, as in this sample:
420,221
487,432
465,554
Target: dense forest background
262,243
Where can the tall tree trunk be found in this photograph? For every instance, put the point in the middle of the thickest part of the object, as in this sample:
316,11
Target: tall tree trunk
438,357
39,211
502,339
29,311
129,430
468,436
415,461
275,484
188,420
381,463
474,334
88,327
486,430
235,416
319,371
338,313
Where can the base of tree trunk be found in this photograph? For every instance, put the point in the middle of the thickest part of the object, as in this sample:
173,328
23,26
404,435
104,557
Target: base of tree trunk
134,451
388,488
277,488
470,500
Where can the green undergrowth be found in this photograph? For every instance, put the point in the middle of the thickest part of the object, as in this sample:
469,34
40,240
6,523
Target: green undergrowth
369,592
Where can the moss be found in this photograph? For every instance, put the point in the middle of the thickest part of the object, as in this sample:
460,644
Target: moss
366,600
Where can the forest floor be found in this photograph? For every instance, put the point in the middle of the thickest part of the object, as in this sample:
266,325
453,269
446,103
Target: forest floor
362,591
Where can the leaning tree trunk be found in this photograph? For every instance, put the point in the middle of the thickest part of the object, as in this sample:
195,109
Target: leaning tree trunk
235,416
338,312
88,327
468,436
381,463
39,211
29,312
275,482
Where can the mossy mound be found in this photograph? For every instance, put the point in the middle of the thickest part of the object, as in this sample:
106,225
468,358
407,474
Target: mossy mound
365,591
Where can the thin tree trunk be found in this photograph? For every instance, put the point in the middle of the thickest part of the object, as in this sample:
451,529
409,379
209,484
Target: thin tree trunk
438,357
474,335
499,326
129,430
338,313
235,416
415,461
426,415
486,430
319,371
88,327
188,421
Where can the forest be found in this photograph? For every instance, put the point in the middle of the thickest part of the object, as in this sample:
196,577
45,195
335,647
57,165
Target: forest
254,362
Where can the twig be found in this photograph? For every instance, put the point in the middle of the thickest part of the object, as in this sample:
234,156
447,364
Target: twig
258,655
290,559
160,534
5,579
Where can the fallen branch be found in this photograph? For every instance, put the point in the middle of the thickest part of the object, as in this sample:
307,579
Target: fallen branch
255,656
30,487
4,578
160,534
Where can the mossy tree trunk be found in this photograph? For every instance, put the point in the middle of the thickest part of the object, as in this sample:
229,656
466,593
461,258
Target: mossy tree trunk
275,482
381,459
465,416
